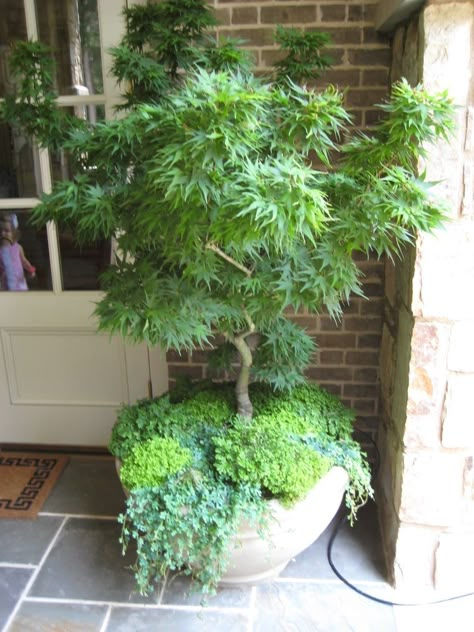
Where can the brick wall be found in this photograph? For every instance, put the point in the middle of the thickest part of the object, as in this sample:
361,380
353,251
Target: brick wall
348,356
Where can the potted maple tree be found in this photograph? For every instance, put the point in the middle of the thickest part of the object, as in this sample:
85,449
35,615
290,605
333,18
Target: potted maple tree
233,199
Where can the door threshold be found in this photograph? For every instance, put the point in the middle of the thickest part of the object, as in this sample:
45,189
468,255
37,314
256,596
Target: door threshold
99,451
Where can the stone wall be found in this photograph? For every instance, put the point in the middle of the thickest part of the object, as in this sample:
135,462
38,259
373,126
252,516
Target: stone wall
347,360
426,484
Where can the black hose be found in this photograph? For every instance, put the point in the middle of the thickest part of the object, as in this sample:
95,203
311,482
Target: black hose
385,602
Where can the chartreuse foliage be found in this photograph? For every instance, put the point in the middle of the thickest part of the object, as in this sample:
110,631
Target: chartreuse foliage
149,464
196,469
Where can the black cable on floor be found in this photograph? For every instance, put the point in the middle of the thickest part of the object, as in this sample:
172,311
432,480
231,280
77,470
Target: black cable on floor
385,602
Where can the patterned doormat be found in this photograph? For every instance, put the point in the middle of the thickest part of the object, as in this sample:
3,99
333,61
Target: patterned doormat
26,479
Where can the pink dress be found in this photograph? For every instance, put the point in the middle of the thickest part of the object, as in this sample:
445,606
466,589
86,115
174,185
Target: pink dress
12,264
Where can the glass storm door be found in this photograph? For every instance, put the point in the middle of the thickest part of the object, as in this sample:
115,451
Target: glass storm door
60,381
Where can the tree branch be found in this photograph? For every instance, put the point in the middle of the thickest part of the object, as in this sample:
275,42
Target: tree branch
218,251
250,323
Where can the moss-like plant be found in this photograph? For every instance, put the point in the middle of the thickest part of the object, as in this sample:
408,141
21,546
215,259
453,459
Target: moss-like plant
149,464
263,454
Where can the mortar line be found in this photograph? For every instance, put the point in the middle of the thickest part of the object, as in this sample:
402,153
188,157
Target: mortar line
252,608
74,515
141,606
106,620
16,565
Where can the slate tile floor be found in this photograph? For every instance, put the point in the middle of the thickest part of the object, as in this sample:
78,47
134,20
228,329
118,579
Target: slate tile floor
64,572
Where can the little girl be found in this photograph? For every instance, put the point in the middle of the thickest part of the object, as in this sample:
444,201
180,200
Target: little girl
12,258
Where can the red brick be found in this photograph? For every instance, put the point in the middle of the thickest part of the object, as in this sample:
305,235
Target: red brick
245,15
333,12
251,37
373,289
363,358
340,78
343,36
363,405
336,341
372,117
371,36
356,117
290,14
270,57
360,323
353,306
176,356
364,97
366,375
369,341
355,13
306,322
222,16
373,306
373,57
335,389
322,374
361,13
331,357
360,390
179,370
328,324
200,357
378,77
336,55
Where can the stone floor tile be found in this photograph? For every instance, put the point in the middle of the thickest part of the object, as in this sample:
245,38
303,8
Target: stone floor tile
318,607
25,541
356,553
455,616
86,563
12,584
174,620
178,592
34,616
88,486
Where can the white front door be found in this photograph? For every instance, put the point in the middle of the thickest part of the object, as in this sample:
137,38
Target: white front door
60,381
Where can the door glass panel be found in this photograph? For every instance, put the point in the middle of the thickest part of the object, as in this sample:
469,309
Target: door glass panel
24,256
71,29
19,166
12,27
82,265
62,168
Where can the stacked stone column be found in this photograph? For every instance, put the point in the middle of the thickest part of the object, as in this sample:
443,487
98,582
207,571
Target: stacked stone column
426,484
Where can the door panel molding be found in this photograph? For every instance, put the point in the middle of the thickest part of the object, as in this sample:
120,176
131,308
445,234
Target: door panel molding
60,367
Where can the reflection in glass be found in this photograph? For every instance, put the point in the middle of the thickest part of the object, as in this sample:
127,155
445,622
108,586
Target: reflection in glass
19,166
12,27
81,266
24,257
62,167
71,29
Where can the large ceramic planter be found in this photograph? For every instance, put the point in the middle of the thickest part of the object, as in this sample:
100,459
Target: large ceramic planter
253,559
